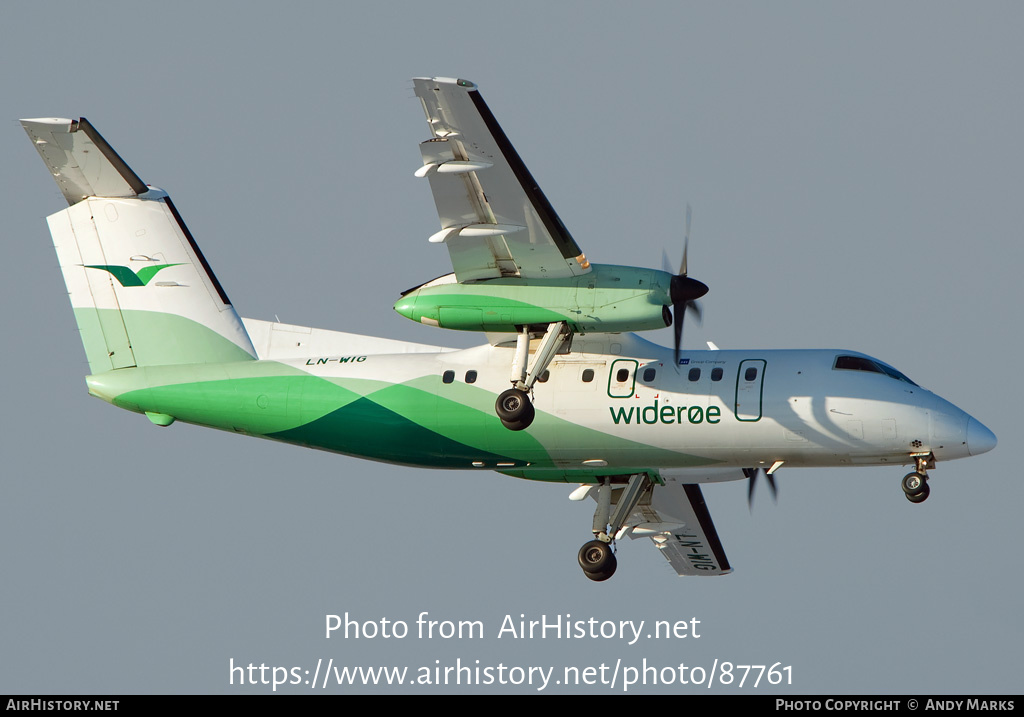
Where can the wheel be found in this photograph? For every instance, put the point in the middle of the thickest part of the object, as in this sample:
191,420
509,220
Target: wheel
518,425
514,409
602,576
525,419
914,484
920,497
512,404
596,557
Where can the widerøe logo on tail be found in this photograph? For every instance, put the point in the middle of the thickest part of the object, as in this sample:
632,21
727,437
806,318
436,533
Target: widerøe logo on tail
126,277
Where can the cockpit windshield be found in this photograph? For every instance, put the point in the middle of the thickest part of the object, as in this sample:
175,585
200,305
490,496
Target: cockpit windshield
863,363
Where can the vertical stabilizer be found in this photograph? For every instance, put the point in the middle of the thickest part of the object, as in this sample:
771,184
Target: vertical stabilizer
142,292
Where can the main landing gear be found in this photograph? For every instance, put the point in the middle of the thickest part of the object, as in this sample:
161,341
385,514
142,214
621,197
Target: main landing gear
513,406
915,485
597,560
597,557
515,409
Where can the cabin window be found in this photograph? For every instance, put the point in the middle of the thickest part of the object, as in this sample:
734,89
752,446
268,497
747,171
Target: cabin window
750,374
694,374
622,375
649,374
543,378
470,376
588,375
716,374
448,376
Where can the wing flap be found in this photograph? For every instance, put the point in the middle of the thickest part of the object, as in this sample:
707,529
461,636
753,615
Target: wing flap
678,522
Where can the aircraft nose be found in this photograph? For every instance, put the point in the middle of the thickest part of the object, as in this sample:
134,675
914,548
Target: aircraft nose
979,438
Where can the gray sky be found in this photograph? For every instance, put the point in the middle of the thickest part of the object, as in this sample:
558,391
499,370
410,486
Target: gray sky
855,175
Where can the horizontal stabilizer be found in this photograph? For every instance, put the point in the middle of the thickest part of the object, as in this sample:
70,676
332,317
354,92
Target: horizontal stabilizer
81,161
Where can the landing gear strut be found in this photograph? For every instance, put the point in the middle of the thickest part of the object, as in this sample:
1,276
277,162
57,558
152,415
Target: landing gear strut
596,557
513,406
915,485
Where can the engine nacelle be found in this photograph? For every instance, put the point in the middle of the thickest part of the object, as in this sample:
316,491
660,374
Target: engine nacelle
606,299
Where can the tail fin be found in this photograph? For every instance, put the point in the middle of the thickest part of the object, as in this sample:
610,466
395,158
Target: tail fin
141,290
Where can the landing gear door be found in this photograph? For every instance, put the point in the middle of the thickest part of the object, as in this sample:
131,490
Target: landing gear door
750,389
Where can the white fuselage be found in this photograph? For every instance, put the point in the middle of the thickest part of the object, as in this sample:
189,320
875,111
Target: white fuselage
618,401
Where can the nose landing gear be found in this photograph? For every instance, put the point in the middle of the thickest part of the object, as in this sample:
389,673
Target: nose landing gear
915,485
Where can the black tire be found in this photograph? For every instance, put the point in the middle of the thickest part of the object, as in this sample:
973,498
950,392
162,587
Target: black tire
512,405
523,422
914,484
516,425
601,577
920,497
596,558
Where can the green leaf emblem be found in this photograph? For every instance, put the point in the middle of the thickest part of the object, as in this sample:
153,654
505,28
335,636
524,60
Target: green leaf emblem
126,277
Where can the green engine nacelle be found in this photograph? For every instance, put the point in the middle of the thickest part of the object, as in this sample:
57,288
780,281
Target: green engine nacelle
607,299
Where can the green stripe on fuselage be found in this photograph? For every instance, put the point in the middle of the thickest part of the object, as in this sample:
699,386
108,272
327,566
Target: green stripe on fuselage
367,429
419,422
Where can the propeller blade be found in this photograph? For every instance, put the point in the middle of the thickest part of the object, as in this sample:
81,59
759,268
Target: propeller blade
678,312
686,240
751,474
695,308
665,265
683,291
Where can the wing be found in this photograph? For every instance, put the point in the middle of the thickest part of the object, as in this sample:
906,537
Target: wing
494,218
678,521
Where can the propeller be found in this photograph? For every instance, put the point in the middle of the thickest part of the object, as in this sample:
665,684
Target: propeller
751,474
684,292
